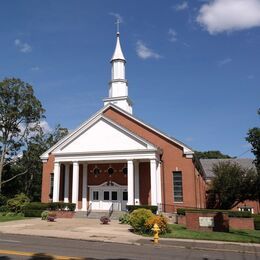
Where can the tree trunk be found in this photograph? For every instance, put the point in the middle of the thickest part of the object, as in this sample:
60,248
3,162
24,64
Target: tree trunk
2,166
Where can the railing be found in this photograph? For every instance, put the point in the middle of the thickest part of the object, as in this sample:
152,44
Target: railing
111,209
89,209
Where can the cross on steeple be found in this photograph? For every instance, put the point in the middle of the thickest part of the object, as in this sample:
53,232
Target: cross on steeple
117,24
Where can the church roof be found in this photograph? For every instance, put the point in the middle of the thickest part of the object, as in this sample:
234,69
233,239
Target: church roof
207,164
186,149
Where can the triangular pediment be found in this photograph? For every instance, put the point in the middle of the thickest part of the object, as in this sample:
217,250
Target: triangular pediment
103,135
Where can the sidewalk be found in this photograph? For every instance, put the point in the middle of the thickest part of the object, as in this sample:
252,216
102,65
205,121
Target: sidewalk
92,230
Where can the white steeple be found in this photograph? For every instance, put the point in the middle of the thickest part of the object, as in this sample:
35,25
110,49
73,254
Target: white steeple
118,87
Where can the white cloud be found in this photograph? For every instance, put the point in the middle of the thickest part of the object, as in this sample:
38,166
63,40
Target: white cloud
144,52
173,35
229,15
35,68
117,16
45,126
22,46
182,6
224,61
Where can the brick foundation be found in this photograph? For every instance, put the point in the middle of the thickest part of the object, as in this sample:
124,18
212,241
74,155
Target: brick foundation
64,214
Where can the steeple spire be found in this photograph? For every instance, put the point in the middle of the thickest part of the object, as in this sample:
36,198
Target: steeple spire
118,87
118,54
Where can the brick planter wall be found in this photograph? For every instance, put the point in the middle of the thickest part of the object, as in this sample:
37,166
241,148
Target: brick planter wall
64,214
220,221
181,219
242,223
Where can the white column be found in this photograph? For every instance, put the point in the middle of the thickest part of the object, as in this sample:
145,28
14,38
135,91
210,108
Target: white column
84,187
159,188
136,186
75,183
153,182
66,183
130,182
56,182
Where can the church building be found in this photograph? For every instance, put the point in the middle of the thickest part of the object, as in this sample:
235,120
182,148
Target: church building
115,159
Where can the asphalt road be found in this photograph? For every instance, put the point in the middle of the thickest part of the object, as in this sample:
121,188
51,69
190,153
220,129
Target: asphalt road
33,247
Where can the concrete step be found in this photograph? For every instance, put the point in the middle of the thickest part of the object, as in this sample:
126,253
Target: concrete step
98,214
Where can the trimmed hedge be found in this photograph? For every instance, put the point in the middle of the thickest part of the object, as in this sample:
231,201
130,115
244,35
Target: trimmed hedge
257,222
131,208
50,206
37,206
33,213
231,214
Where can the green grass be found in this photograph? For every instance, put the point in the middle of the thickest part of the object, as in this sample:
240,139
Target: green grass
11,218
245,236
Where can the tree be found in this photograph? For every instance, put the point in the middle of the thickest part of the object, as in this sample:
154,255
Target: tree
30,182
231,185
253,137
20,115
211,155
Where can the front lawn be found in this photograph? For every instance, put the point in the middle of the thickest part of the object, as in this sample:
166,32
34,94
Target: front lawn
11,218
246,236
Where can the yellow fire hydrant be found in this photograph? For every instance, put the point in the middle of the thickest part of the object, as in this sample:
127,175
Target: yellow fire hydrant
156,230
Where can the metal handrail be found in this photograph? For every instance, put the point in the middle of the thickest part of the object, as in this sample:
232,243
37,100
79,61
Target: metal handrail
89,209
111,209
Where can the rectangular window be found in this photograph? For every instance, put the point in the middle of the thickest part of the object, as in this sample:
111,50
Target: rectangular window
114,195
95,195
51,185
125,195
177,186
106,195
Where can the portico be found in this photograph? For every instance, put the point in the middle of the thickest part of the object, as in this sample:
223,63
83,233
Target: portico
102,183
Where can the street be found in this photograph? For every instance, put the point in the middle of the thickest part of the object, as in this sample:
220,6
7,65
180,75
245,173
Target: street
35,247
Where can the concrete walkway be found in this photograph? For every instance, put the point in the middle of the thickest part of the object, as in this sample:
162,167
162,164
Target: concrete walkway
76,228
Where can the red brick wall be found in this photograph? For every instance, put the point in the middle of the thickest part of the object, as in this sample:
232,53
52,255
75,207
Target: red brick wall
242,223
145,183
172,158
220,221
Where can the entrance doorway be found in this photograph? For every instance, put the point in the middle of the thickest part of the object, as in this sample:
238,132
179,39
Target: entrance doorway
103,196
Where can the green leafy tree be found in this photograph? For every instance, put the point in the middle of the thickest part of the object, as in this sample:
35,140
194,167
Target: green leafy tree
231,185
253,137
211,155
20,115
30,182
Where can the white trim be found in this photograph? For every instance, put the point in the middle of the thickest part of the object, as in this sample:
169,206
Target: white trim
44,156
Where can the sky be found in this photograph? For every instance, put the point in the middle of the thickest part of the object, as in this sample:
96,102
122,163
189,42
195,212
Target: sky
193,67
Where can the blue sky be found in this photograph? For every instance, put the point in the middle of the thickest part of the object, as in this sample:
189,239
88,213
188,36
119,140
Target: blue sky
192,66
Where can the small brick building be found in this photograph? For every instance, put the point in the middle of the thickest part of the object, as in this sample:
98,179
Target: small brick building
117,159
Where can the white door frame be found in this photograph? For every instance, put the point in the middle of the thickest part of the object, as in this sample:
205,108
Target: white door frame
100,203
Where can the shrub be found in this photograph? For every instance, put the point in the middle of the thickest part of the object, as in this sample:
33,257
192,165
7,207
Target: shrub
17,203
231,213
62,206
138,218
124,219
10,214
4,209
3,200
181,211
160,220
33,213
37,206
239,214
131,208
44,215
257,222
